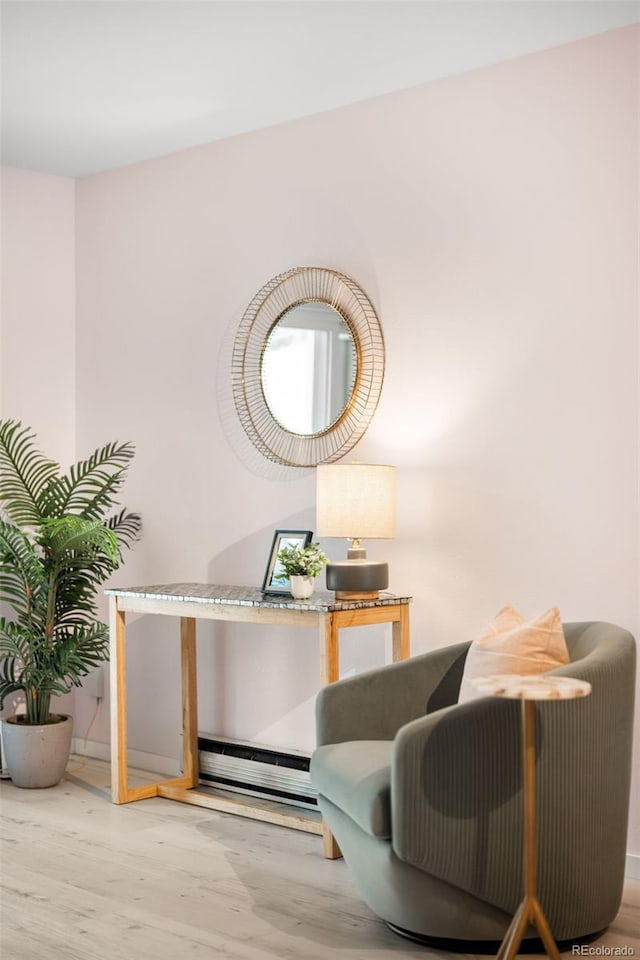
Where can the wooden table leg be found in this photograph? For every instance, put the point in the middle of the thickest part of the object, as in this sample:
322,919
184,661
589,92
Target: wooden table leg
400,635
330,845
330,672
118,684
329,649
190,760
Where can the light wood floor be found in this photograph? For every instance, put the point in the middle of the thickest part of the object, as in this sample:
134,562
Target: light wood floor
83,879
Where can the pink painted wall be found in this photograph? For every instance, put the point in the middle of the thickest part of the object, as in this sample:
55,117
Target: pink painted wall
37,327
493,219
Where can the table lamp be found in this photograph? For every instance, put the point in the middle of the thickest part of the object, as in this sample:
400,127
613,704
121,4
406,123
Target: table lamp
357,501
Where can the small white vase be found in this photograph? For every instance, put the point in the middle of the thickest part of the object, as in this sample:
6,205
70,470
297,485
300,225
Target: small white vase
301,587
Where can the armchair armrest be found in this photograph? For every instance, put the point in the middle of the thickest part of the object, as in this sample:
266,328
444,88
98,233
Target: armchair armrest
374,705
456,803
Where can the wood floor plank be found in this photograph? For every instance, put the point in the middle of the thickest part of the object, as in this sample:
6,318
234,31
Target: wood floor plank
83,879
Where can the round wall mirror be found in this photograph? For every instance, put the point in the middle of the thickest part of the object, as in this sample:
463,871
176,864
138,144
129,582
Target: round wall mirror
307,366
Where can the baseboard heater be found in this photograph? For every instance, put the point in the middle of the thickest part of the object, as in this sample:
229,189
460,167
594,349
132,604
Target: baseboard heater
256,770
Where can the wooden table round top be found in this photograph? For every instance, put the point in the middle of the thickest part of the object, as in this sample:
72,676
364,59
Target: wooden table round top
532,687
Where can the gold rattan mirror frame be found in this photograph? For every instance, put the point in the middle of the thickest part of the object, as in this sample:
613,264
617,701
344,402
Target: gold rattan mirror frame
300,285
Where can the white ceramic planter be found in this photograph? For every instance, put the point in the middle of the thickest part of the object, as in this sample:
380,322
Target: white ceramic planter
301,587
36,754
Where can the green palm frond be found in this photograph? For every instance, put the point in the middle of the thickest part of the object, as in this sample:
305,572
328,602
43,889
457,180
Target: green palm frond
24,473
90,486
15,651
15,641
79,650
90,553
77,587
82,553
23,577
76,593
76,540
58,668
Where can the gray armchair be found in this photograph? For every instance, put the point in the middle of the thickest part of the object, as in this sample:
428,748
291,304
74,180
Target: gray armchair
424,795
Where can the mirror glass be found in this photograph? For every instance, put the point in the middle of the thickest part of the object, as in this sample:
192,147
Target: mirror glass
308,368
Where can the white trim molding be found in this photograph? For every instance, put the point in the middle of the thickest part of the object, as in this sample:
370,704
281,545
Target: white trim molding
632,867
138,759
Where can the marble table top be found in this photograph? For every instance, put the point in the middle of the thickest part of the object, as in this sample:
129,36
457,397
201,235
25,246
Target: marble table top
532,687
322,601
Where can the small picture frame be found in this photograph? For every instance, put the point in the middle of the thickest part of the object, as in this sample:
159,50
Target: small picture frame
282,538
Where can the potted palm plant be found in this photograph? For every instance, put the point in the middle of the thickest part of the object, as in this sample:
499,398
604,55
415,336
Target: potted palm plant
301,566
59,541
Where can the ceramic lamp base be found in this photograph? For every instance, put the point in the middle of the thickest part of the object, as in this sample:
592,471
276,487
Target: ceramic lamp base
364,578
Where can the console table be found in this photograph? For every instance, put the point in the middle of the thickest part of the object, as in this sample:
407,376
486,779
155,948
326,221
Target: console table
193,601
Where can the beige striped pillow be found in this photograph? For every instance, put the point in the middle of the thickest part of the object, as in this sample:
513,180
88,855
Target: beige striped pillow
511,644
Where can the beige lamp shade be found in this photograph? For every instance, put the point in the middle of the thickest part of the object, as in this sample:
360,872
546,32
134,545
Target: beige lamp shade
356,500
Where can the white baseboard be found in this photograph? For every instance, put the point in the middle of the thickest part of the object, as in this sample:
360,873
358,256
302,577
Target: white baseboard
632,868
138,759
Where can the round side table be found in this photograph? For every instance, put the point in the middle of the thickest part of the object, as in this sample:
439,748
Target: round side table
529,689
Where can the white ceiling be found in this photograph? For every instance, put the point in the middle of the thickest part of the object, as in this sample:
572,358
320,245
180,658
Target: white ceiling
88,85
